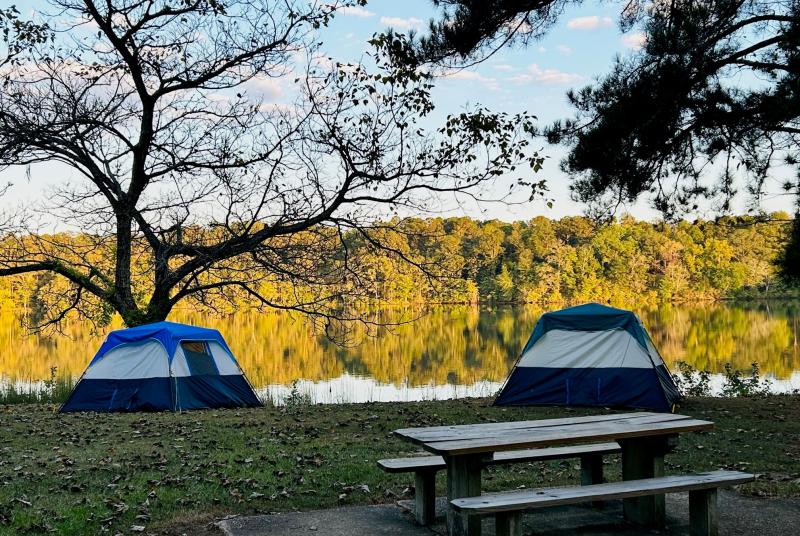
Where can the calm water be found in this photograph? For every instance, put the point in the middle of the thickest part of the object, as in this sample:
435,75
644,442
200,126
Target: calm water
448,352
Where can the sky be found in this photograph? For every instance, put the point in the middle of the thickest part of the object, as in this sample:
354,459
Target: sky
580,47
533,79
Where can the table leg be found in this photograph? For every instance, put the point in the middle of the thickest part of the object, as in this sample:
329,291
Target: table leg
592,473
644,458
425,497
463,480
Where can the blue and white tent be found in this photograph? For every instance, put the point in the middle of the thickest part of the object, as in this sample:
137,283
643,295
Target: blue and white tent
590,355
162,366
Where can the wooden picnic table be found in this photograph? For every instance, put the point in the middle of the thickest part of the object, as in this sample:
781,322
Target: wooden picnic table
644,437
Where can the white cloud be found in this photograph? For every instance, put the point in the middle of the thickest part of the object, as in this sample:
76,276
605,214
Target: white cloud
546,77
398,22
634,40
356,11
589,23
542,50
462,75
268,89
472,76
503,67
564,49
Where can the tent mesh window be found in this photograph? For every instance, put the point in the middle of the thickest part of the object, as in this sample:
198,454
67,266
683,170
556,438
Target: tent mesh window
198,357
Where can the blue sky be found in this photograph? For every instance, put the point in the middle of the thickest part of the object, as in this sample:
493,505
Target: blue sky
579,48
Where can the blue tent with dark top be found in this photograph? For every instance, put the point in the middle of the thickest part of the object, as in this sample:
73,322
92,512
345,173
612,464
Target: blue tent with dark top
162,366
590,355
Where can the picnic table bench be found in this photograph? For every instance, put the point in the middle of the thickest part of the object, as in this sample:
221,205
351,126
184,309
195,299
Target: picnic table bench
426,467
643,437
508,507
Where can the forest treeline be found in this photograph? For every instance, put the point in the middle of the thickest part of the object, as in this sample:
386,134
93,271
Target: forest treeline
546,262
571,260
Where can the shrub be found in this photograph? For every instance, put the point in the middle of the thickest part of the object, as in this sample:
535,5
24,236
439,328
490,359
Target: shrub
740,383
296,398
692,382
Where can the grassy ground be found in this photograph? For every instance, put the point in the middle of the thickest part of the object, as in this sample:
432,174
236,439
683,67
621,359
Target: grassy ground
160,473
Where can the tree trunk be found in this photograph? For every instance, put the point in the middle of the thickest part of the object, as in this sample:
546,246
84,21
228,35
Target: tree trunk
158,308
123,293
159,305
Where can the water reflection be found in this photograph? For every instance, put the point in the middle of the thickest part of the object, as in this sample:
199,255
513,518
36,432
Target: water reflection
452,351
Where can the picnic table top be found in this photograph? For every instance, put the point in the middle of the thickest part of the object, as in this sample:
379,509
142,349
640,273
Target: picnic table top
513,435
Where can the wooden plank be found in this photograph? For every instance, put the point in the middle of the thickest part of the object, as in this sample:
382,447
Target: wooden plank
559,421
477,431
430,433
560,436
539,498
464,480
592,472
591,469
436,463
425,497
573,428
470,431
703,513
644,458
411,464
508,524
649,419
555,453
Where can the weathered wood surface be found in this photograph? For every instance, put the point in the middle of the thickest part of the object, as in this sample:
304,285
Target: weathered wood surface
508,524
425,497
425,468
464,431
469,439
461,446
644,458
464,480
436,463
554,453
539,498
592,473
411,464
591,469
703,513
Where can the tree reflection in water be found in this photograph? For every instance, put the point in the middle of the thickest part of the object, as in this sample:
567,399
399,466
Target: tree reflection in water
444,353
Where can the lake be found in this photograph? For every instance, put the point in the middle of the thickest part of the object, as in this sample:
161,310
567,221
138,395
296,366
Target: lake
453,351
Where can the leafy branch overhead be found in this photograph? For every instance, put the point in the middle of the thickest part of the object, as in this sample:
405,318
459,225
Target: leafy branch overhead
18,34
192,185
680,119
707,107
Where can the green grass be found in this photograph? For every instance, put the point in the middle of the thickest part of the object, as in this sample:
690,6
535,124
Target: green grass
87,473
